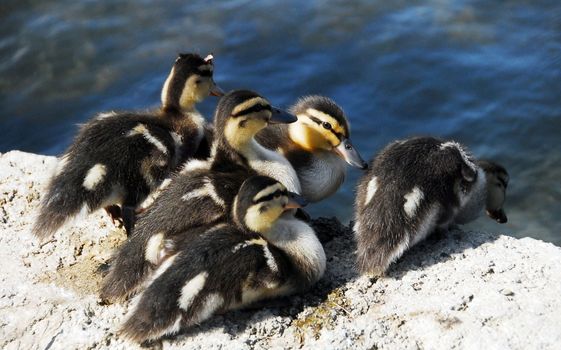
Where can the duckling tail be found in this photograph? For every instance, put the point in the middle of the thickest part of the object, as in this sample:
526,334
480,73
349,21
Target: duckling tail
157,312
60,204
128,270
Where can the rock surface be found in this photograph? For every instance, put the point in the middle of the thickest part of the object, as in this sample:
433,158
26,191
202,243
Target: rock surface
466,290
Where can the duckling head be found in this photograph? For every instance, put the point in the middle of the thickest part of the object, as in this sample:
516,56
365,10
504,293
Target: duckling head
189,82
240,114
260,201
497,183
322,125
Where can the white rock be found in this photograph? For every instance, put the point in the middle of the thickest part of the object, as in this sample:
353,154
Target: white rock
470,290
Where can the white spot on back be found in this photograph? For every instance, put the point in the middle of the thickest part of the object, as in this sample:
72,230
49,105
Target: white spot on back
398,252
191,289
153,248
141,129
94,176
105,115
270,259
154,194
160,270
426,226
175,327
207,190
195,164
259,241
371,189
412,201
212,303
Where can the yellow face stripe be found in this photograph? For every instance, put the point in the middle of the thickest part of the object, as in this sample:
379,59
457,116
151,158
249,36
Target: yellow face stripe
250,103
262,220
239,137
324,117
268,190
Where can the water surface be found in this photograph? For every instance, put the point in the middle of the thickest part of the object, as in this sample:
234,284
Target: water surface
485,73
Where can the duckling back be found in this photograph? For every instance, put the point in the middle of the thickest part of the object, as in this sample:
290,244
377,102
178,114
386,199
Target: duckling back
119,158
413,187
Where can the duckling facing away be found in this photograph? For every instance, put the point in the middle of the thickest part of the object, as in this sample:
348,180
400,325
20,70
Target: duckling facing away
317,145
203,193
416,186
231,265
119,158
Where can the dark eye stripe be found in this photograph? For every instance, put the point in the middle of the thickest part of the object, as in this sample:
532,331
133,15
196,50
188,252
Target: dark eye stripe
255,108
272,195
338,135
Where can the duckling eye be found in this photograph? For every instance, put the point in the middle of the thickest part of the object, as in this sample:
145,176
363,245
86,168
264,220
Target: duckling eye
198,81
348,146
326,125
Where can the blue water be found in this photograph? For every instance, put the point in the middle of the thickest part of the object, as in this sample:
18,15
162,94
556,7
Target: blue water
486,73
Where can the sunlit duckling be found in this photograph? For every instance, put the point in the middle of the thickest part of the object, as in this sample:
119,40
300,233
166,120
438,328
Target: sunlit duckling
417,186
119,158
261,254
203,192
317,145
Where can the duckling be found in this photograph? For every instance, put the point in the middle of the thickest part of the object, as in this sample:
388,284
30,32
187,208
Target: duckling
317,145
261,254
119,158
203,192
413,187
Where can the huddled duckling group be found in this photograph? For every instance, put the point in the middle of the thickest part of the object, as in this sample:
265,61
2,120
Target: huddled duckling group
213,212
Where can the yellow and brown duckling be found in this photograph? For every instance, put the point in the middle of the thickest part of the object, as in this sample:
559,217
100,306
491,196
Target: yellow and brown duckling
317,145
119,158
417,186
203,192
261,254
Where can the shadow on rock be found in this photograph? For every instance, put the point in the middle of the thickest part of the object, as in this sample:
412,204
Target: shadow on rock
273,316
438,248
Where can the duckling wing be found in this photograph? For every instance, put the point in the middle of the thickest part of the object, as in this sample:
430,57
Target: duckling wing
119,159
189,205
